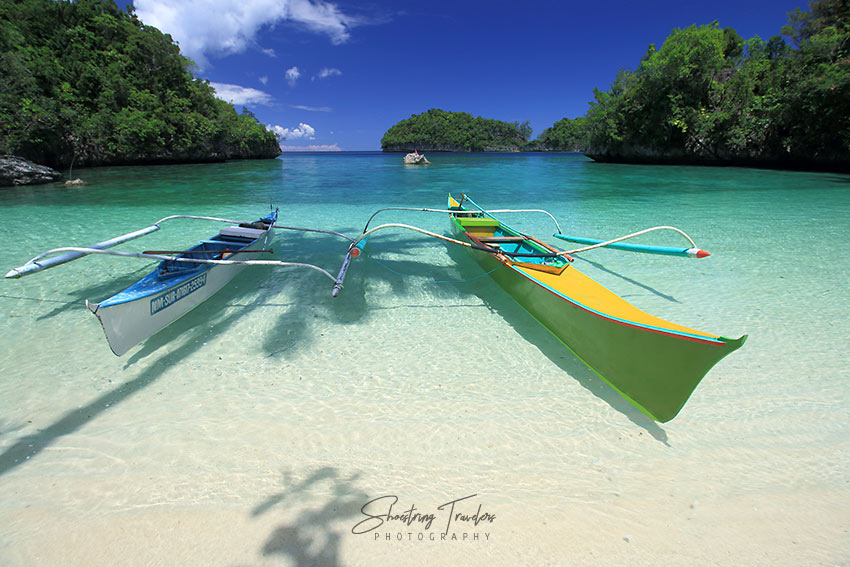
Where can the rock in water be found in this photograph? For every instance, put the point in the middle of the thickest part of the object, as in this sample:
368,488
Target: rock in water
415,158
16,170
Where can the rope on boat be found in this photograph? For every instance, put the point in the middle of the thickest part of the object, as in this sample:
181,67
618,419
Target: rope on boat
366,234
77,252
564,253
277,263
693,251
454,211
445,239
632,235
195,217
333,232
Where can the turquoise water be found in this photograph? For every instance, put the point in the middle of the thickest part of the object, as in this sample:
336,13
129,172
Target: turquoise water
252,430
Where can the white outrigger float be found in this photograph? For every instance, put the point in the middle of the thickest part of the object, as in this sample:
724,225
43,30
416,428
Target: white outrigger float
182,280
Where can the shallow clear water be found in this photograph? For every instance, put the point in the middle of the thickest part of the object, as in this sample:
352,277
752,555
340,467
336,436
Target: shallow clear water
253,430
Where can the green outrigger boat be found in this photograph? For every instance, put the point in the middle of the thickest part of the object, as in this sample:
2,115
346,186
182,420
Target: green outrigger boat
653,363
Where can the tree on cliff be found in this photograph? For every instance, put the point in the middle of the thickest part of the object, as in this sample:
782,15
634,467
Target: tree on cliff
88,83
439,130
708,96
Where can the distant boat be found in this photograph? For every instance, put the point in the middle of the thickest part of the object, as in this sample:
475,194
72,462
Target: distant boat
415,158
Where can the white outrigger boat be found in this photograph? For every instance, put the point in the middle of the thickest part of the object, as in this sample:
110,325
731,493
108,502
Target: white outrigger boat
177,286
182,280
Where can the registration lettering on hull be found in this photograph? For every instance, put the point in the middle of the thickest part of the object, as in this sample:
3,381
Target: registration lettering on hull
174,295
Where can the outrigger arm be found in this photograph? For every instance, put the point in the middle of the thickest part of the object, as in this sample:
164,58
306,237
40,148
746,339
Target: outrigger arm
37,264
70,253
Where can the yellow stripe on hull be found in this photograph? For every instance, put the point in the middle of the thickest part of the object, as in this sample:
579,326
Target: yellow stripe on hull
593,295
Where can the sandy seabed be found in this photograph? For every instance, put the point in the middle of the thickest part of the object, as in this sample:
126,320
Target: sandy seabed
230,448
255,430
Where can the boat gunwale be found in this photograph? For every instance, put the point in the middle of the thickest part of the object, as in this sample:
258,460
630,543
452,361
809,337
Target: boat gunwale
710,340
173,281
707,338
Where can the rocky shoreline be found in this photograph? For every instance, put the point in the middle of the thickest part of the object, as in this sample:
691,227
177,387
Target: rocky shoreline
639,155
15,170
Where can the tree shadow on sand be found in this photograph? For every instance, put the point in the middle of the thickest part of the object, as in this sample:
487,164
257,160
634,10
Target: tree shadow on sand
459,279
462,278
310,290
190,332
311,539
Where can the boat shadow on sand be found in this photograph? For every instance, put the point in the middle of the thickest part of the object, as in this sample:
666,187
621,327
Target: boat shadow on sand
259,292
528,328
294,326
219,313
93,292
459,278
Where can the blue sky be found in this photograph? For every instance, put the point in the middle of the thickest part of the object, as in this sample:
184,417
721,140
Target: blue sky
336,75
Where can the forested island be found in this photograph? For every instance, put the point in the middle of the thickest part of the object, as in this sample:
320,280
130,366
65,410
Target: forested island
86,83
440,131
707,96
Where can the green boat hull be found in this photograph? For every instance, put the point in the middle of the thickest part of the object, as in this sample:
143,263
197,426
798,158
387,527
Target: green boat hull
653,368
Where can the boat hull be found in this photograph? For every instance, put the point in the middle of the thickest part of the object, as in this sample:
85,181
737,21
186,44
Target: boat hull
653,363
127,322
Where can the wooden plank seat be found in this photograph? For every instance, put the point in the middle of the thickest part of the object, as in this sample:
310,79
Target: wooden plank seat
242,232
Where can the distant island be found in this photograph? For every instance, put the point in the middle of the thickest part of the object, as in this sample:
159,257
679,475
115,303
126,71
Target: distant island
706,97
84,83
441,131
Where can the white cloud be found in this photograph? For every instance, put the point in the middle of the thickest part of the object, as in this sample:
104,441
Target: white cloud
325,73
235,94
214,28
264,79
322,17
312,108
301,131
292,74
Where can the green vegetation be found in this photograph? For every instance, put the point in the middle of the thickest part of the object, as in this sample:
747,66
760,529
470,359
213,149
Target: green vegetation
565,135
438,130
708,96
83,82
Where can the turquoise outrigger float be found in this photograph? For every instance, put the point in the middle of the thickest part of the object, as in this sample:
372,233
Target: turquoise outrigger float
652,363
